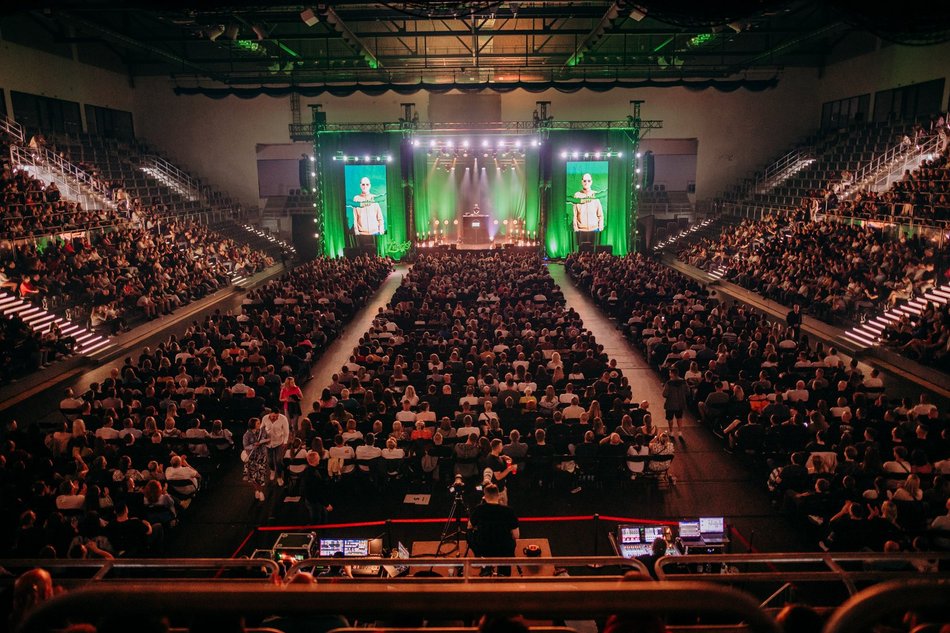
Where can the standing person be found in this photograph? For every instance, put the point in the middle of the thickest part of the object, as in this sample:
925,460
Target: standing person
367,214
794,321
498,468
278,433
676,392
290,397
255,466
493,529
588,211
314,489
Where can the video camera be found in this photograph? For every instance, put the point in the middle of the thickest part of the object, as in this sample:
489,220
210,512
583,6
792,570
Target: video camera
458,486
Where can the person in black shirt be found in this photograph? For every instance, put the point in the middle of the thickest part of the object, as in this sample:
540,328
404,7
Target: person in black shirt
493,529
501,466
658,551
315,492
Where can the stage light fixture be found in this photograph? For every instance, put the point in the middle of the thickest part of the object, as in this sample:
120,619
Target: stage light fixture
575,155
518,143
465,143
313,158
450,143
313,173
336,158
501,143
638,185
597,155
314,206
619,154
639,154
535,143
586,154
637,170
366,158
563,154
389,159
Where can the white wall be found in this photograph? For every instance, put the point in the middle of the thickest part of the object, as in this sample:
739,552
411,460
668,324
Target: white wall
24,69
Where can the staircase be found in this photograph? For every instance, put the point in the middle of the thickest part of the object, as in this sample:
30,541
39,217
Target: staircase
670,241
39,320
75,183
869,333
888,167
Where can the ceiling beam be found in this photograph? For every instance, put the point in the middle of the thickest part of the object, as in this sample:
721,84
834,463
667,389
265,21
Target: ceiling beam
351,38
120,38
595,35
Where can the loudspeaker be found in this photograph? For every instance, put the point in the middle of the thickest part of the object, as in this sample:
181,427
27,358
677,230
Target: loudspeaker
606,248
585,247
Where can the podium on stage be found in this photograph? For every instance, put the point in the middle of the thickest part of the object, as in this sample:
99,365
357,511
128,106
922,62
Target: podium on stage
475,229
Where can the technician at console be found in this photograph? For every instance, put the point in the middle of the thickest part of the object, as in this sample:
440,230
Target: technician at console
493,529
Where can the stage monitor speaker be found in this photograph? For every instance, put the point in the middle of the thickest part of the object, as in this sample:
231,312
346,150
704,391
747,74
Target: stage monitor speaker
585,247
606,248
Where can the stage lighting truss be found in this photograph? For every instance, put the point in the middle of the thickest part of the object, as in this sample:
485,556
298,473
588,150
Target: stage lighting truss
508,148
366,159
596,154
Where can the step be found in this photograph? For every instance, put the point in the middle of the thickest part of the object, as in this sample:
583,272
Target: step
861,340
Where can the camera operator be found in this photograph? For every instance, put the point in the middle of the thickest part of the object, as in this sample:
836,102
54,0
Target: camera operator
501,466
493,529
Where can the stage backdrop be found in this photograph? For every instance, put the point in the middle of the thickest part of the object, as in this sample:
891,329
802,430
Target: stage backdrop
503,190
610,173
338,192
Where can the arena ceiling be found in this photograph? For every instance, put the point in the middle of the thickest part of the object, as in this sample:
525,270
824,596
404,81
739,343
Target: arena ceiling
346,43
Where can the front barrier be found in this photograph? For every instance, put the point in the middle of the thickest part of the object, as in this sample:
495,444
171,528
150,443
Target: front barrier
542,600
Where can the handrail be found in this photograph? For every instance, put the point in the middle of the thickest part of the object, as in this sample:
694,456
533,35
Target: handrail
183,181
868,175
830,560
870,605
106,566
43,157
465,566
542,600
12,128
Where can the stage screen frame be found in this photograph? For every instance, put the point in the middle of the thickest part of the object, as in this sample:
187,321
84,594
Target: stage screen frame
599,170
353,175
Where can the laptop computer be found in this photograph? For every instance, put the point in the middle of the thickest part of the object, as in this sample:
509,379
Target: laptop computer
712,529
689,530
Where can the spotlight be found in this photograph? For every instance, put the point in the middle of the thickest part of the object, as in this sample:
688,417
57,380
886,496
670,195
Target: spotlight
518,143
575,155
313,173
637,170
535,143
313,158
366,158
309,17
415,142
389,159
639,154
314,206
345,157
336,158
586,154
465,143
638,185
450,143
215,32
432,143
501,143
563,154
485,155
597,154
619,154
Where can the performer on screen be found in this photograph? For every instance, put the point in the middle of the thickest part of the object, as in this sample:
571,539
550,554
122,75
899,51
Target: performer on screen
588,212
367,214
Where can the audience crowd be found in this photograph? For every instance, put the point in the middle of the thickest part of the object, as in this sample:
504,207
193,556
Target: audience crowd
476,369
134,449
833,269
860,468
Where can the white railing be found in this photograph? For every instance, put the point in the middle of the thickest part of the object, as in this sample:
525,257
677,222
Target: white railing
877,173
784,167
171,176
14,129
78,182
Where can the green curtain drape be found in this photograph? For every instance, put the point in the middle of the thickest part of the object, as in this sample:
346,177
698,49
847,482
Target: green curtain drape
619,216
337,233
333,195
532,198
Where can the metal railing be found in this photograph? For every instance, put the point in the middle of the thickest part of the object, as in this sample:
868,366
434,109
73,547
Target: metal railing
173,176
14,129
787,567
566,598
782,168
169,568
876,174
78,182
874,603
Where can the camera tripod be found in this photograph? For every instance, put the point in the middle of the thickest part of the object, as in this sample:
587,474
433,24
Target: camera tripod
453,529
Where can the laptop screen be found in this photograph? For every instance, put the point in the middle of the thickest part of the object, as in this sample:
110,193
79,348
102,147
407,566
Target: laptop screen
712,525
689,530
349,547
630,534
